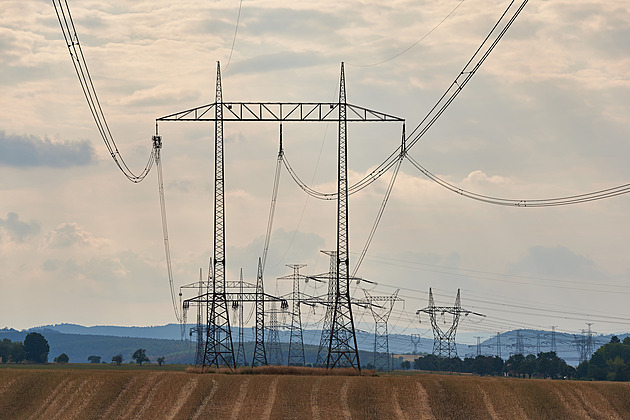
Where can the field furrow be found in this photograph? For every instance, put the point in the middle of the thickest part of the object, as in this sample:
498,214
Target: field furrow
84,394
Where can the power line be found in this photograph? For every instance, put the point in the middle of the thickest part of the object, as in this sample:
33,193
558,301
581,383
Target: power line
87,86
546,202
238,19
459,3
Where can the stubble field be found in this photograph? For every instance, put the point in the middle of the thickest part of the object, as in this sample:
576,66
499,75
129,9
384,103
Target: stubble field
138,394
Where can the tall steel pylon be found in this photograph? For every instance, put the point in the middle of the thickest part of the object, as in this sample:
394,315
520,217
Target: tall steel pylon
200,326
343,350
382,360
341,344
219,347
322,351
260,355
444,345
296,337
240,352
273,339
553,347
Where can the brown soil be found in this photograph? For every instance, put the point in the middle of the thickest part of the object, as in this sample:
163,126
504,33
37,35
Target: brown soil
87,394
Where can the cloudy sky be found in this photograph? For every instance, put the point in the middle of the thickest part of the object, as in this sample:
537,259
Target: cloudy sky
546,116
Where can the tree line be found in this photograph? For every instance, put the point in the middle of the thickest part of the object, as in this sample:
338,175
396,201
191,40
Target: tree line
544,365
35,349
611,362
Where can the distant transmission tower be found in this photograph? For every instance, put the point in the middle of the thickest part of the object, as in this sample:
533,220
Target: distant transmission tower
553,339
415,340
273,344
240,352
322,351
296,338
478,346
499,345
589,350
444,345
520,346
382,360
199,328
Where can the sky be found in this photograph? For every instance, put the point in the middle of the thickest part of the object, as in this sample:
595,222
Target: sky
545,116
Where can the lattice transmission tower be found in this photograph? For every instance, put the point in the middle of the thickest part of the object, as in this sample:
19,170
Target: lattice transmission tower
444,345
381,308
296,337
341,344
415,341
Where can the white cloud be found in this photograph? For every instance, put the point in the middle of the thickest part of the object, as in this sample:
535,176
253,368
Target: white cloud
71,234
546,115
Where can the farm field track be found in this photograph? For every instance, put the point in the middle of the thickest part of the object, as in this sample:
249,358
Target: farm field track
155,394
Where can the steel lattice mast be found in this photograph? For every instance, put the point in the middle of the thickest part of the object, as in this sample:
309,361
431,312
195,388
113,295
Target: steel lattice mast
219,347
273,339
200,325
322,356
296,337
415,340
381,314
341,344
444,345
240,352
260,355
343,350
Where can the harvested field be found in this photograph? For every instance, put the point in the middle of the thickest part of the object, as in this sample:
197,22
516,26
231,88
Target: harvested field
126,394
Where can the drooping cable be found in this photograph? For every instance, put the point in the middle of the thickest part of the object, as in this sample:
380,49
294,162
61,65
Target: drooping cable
459,3
272,209
547,202
481,54
364,182
378,217
87,86
167,251
238,19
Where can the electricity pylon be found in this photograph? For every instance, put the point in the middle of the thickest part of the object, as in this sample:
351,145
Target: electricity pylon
238,305
296,338
444,345
553,339
342,347
260,355
382,360
273,340
499,345
342,350
415,340
322,351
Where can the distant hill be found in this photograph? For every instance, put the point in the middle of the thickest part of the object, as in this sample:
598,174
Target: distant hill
79,347
79,342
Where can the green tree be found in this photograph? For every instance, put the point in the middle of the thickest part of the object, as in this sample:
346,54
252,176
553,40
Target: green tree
36,348
615,339
94,359
140,356
118,359
406,364
17,352
161,360
626,341
62,358
5,350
